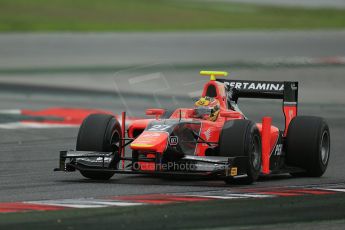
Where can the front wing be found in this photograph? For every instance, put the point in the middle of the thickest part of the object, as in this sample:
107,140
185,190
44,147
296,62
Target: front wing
203,166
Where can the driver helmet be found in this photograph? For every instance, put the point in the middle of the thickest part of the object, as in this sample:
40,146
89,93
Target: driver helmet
207,108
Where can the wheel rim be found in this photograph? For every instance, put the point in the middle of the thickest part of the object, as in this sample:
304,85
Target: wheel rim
255,153
115,145
325,147
115,140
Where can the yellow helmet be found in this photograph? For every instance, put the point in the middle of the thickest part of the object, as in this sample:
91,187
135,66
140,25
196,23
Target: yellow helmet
207,108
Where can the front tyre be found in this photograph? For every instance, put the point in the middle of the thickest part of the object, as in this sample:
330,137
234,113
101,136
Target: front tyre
242,138
99,133
308,145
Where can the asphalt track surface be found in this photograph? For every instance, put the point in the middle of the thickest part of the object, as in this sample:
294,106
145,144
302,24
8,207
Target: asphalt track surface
63,50
28,156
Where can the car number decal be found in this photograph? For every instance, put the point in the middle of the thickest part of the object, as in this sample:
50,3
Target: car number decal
159,128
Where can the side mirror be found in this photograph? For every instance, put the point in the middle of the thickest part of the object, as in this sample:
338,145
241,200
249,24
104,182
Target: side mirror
231,114
155,112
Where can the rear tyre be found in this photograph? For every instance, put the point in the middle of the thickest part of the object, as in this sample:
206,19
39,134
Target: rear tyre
308,145
242,138
101,133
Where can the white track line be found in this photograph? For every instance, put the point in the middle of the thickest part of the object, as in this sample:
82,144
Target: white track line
334,189
29,125
85,203
218,195
225,195
11,111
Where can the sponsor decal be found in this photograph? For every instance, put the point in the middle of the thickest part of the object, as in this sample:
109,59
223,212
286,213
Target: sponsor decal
278,150
173,140
208,133
257,86
149,134
148,137
233,171
294,87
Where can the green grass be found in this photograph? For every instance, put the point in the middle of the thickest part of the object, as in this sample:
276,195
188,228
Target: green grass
157,15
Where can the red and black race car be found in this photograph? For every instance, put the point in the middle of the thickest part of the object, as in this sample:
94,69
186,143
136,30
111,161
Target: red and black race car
211,139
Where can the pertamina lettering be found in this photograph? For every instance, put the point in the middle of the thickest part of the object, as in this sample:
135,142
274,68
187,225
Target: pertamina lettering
257,86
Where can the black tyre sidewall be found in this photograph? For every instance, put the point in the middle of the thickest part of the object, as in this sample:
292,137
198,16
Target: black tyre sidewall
304,145
317,167
235,141
252,172
96,134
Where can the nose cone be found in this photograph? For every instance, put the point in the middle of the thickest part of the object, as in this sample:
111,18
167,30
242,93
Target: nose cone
150,141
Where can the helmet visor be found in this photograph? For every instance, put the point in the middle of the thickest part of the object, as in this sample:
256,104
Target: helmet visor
203,110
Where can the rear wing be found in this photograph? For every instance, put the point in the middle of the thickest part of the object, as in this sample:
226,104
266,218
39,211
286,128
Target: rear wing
286,91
